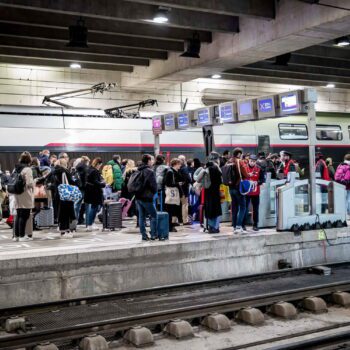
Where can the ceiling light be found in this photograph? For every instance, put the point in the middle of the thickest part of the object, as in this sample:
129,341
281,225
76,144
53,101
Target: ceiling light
330,85
216,76
193,47
78,34
75,65
343,41
161,16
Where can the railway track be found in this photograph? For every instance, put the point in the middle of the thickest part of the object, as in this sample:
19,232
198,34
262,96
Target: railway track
109,314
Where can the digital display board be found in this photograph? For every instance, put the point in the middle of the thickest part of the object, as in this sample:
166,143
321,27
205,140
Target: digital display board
266,107
157,125
183,120
289,103
203,116
228,112
169,122
246,110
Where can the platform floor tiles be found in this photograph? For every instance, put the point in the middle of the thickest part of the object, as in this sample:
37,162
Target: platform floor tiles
49,241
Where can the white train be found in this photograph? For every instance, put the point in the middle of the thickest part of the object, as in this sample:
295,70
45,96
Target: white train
92,132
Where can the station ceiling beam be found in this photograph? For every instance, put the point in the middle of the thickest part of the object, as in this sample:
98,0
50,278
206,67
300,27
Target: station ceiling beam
252,8
72,57
326,51
94,38
98,25
130,12
61,63
60,45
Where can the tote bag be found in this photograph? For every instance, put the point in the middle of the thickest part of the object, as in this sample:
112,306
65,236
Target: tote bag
68,193
172,196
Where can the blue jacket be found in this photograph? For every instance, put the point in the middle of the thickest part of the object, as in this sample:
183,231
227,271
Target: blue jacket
44,160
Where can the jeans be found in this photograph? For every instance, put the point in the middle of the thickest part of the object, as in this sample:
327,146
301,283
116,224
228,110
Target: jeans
255,200
21,221
214,223
147,208
238,207
91,213
77,206
348,200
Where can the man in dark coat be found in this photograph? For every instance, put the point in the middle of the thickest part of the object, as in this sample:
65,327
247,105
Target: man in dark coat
144,198
186,181
212,198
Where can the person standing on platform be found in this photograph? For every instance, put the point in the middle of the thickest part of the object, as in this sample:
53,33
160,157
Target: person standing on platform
186,181
44,158
173,185
81,168
331,170
238,205
287,165
226,156
143,185
212,198
160,169
256,175
93,196
321,167
65,209
342,175
24,202
117,173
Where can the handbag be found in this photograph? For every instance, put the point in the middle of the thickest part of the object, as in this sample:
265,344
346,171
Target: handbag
245,186
40,192
172,196
68,193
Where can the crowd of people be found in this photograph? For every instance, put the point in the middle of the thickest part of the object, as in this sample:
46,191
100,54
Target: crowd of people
184,188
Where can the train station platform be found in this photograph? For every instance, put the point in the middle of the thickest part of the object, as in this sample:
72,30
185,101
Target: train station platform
50,268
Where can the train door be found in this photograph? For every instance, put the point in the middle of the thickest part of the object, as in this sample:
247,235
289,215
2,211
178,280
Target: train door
264,144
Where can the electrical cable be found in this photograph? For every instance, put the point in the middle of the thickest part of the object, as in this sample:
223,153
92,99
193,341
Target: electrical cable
334,7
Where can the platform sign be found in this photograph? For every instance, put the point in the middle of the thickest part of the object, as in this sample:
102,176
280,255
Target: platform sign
246,110
183,119
266,107
228,112
289,103
204,116
157,125
169,122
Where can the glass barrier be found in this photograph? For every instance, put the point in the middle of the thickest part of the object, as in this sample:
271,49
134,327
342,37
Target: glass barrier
322,199
273,198
301,200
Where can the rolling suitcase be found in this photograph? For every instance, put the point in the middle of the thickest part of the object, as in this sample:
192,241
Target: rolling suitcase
163,225
45,218
112,215
126,205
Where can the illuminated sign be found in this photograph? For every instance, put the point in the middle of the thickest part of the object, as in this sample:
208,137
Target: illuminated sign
266,107
183,120
203,116
289,103
227,112
246,110
169,122
157,125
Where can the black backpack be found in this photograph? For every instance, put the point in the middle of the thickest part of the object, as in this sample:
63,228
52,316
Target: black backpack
135,184
16,183
228,174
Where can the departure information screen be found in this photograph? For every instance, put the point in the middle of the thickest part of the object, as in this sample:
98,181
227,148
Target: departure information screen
203,116
169,122
266,105
245,108
183,120
227,113
290,103
157,125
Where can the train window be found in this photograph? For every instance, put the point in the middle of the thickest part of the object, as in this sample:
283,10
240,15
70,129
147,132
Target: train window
293,131
329,133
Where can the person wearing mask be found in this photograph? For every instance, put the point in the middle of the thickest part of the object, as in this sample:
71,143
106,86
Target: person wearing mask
24,202
144,198
212,198
256,175
173,179
342,175
65,209
93,196
186,181
238,204
117,173
81,166
331,170
321,167
287,165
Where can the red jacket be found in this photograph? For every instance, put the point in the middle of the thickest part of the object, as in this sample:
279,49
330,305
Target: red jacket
321,167
254,175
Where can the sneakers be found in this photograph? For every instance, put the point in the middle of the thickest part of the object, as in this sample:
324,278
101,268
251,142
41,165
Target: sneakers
15,239
92,228
255,228
239,230
24,239
173,229
145,239
67,234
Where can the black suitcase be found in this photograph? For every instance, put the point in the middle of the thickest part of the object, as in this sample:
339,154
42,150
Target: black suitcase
112,215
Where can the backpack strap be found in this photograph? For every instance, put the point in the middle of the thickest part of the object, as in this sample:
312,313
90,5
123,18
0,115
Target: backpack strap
239,168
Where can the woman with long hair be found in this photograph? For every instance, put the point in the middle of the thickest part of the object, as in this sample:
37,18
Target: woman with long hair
94,192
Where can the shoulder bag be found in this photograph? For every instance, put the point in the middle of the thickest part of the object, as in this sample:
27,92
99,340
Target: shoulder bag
68,193
245,186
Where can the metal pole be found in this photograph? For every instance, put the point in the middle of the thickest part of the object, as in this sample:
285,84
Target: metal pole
156,144
312,144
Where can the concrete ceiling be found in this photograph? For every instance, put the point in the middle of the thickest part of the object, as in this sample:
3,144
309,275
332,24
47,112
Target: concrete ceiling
120,34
